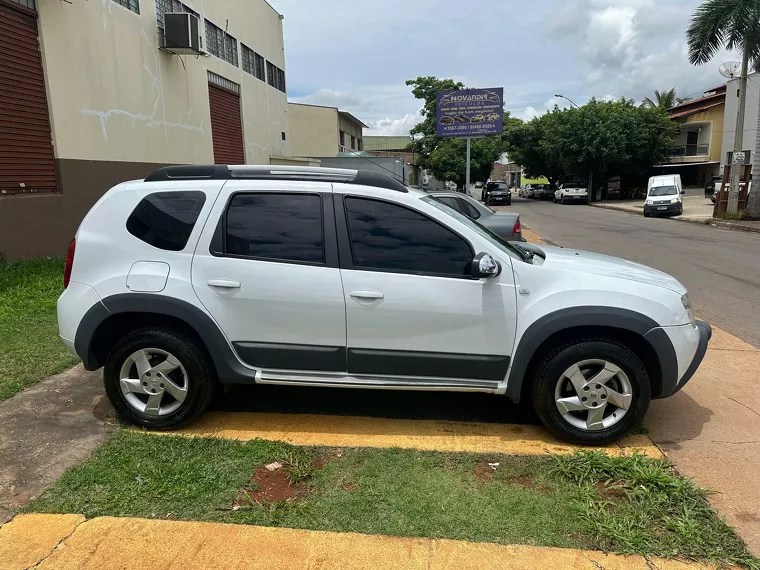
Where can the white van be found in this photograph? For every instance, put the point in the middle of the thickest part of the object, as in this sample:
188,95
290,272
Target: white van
664,195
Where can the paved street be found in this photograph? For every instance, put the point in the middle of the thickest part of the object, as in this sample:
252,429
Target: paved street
720,268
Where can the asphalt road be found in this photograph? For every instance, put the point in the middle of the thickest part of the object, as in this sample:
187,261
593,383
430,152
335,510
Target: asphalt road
720,268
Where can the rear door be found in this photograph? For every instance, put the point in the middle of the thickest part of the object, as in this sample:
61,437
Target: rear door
266,269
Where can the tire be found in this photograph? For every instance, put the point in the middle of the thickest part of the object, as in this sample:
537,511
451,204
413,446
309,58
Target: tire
631,380
562,200
647,214
194,374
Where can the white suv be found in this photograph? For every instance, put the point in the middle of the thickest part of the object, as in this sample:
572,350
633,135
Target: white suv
201,275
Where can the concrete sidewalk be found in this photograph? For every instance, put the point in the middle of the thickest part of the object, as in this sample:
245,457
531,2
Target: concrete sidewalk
697,209
69,542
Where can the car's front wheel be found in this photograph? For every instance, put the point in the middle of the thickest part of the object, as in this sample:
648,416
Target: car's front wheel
158,379
591,391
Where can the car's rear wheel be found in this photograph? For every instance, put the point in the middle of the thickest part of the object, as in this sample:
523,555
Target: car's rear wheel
158,379
591,391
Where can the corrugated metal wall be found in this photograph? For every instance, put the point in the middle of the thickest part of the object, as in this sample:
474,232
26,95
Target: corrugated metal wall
226,126
27,163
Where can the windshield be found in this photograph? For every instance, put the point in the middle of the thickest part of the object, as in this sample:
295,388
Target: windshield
497,186
573,185
500,244
663,191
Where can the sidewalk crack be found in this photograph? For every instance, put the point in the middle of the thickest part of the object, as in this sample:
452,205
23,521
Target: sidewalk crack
57,546
651,565
596,564
744,406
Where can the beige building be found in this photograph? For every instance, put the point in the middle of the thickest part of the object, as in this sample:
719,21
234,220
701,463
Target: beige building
92,97
323,131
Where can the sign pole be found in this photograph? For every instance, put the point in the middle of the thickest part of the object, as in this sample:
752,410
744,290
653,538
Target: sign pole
467,182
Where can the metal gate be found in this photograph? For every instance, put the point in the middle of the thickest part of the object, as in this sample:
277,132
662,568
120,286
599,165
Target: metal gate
226,122
27,162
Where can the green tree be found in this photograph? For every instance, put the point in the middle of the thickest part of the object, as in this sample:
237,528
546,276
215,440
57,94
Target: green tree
663,99
600,138
446,157
733,25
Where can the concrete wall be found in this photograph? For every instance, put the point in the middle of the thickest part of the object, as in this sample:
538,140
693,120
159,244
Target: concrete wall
313,130
120,108
750,116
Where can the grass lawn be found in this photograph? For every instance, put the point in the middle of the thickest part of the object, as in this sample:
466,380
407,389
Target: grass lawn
31,349
631,505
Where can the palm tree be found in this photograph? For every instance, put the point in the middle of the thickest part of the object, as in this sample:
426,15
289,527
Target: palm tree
733,25
663,99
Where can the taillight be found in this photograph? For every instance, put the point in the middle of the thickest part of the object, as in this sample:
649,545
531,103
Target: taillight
69,263
516,229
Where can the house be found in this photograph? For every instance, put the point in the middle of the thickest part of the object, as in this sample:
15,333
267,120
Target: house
95,93
750,115
398,147
317,130
698,150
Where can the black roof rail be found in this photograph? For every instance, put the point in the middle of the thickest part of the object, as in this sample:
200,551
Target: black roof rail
312,174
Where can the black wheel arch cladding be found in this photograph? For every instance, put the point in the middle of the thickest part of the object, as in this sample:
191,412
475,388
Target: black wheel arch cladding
592,316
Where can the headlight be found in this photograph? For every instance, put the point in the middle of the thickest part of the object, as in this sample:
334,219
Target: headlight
686,302
674,201
650,202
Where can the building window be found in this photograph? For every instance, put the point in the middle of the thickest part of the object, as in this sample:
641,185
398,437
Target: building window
342,138
133,5
29,4
353,142
275,77
252,62
221,44
164,6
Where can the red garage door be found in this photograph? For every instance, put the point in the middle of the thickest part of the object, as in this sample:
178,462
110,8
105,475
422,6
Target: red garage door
226,125
27,163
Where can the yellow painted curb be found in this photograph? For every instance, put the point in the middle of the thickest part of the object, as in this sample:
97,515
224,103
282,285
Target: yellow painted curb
126,543
432,435
28,539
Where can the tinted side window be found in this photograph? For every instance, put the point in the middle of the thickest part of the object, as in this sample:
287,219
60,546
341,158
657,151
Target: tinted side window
389,237
468,209
166,219
450,202
284,227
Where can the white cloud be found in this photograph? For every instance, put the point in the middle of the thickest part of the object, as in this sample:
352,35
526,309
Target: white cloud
331,98
529,113
394,127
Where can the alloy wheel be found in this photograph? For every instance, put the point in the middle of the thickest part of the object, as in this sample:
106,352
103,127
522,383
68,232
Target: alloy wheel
594,394
153,382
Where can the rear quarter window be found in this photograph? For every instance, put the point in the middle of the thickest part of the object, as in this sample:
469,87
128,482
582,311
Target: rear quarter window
165,220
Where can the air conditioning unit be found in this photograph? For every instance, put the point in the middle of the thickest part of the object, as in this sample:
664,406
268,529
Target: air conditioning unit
181,33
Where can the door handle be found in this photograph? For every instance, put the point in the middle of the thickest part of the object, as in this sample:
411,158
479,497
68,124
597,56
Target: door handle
223,284
366,295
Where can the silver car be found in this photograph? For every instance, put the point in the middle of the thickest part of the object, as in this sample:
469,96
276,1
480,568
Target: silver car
506,225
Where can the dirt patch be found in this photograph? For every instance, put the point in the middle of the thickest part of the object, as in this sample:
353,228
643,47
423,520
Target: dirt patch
609,493
483,472
327,456
349,486
529,484
271,487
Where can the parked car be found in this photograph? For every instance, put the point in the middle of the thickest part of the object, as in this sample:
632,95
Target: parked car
544,192
506,225
204,275
664,195
719,185
571,191
528,190
478,184
710,187
497,193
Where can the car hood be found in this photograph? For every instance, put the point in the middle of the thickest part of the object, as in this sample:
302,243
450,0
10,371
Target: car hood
608,266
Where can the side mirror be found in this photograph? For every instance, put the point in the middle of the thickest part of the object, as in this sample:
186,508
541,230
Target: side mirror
484,266
683,191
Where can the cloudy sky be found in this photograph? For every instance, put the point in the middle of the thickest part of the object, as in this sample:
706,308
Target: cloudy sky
357,54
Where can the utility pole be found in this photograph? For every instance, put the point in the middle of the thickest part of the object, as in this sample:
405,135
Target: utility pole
467,176
733,190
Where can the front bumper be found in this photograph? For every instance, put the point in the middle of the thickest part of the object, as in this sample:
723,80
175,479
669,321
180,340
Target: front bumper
663,209
705,334
499,199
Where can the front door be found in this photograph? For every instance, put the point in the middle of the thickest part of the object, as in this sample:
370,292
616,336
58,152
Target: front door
270,278
411,309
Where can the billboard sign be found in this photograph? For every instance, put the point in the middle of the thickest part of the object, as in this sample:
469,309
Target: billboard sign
469,113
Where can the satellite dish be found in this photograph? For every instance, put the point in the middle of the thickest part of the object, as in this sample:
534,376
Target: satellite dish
730,69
